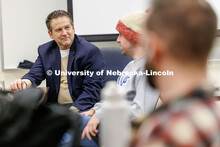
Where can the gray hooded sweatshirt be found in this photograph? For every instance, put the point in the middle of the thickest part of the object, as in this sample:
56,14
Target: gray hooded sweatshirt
142,97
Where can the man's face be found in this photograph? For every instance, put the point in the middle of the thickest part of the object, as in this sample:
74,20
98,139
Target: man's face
125,45
62,32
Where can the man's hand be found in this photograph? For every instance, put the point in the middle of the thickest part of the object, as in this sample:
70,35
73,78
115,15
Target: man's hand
91,127
88,113
18,85
74,109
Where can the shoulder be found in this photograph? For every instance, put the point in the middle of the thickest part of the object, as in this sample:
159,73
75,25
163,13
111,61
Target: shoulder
86,49
84,46
129,65
47,47
184,113
140,64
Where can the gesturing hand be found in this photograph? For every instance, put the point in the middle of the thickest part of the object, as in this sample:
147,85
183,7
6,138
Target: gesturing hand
91,127
18,85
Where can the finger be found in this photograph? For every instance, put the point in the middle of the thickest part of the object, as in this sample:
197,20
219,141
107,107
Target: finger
24,86
88,135
92,132
94,126
19,85
94,129
14,87
83,134
11,87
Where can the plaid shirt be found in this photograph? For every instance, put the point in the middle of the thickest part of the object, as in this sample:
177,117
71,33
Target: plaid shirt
192,121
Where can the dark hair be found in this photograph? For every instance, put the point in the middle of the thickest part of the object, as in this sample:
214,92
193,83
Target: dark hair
56,14
188,27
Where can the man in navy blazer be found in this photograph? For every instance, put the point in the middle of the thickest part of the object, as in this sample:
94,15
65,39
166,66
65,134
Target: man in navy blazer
83,61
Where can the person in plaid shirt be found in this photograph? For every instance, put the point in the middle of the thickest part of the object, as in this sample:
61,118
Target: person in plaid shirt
179,35
190,121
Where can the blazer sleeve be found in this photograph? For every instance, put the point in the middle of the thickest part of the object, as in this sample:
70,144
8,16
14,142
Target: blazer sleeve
91,85
36,74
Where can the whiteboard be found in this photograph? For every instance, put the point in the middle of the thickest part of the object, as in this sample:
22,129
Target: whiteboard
23,28
92,17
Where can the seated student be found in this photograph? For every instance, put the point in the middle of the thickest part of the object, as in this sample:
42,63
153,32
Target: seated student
180,35
143,97
66,53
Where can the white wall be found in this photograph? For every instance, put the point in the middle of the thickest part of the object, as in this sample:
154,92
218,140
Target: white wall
23,28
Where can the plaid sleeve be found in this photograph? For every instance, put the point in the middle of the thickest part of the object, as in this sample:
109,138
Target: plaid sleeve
195,125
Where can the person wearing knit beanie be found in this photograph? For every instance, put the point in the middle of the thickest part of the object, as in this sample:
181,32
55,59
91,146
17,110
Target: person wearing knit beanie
143,98
130,33
131,26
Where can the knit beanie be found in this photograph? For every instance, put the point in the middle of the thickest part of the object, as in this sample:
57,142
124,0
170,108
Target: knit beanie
131,26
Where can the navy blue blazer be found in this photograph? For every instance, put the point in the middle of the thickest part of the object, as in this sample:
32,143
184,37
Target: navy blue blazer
85,90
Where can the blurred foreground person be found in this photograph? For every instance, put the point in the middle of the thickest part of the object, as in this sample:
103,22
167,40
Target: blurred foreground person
23,119
179,36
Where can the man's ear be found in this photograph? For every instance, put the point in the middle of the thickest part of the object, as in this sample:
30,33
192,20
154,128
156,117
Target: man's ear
50,34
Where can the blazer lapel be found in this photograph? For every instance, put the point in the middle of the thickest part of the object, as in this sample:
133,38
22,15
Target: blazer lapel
56,65
70,64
